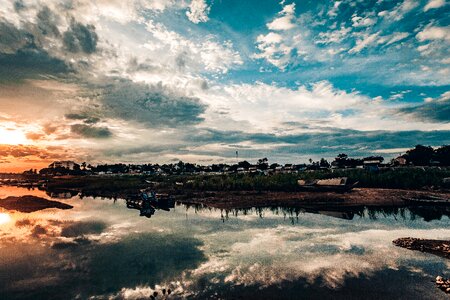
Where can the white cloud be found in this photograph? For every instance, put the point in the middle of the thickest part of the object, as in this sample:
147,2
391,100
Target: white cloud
334,10
434,4
205,54
364,42
399,11
273,49
362,22
392,38
434,33
198,11
285,19
336,36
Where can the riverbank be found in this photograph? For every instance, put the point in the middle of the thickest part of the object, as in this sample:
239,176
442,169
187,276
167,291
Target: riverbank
358,196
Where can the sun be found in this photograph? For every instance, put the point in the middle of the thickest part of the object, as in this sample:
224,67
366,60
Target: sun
12,136
4,218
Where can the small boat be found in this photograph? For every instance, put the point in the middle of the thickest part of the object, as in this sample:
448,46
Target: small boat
339,184
427,200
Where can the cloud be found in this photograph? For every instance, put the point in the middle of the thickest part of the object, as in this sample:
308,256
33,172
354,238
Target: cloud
85,117
80,38
434,33
285,21
88,131
46,22
432,4
434,110
194,56
362,21
21,151
400,10
198,11
364,42
336,36
153,105
81,228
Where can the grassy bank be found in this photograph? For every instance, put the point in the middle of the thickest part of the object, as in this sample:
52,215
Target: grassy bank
401,178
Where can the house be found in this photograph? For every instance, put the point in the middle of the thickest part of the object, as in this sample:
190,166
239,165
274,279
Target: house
399,161
67,164
372,163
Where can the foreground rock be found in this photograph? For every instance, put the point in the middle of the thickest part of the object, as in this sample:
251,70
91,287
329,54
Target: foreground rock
437,247
443,284
28,204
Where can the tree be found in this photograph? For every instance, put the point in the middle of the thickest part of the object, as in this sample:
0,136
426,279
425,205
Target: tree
263,163
420,155
324,163
244,164
442,154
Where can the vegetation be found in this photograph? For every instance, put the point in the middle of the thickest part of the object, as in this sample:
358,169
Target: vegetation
402,178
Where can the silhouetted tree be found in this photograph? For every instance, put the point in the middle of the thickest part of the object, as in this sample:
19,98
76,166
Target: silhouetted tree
420,155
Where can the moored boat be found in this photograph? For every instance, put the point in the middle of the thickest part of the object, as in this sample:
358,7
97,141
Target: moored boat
339,184
427,200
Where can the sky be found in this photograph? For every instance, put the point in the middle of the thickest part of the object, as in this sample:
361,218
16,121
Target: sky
160,81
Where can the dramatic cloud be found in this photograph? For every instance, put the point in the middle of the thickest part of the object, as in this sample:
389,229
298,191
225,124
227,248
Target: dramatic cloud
156,106
437,110
198,11
80,38
150,80
90,131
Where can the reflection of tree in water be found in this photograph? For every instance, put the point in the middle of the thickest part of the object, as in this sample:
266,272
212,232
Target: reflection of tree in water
427,213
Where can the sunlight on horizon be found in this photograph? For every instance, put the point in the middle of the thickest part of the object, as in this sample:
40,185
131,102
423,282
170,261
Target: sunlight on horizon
12,137
4,218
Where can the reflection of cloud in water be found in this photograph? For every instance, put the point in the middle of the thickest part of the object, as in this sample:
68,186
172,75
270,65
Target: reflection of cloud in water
90,268
273,256
82,228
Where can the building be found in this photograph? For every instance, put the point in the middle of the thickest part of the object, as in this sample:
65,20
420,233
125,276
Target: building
67,164
400,161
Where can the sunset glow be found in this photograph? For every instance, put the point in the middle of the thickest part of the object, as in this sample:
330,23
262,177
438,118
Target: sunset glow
4,218
12,137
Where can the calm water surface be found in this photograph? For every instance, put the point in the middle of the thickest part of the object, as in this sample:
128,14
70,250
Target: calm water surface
100,249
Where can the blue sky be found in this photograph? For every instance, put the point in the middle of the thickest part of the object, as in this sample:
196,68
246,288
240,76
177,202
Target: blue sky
162,80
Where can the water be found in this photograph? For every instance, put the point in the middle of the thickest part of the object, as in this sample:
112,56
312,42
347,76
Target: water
101,249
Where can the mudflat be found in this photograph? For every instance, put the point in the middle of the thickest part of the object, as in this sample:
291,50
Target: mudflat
30,203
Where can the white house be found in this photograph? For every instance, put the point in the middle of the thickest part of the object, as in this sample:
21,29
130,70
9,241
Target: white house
67,164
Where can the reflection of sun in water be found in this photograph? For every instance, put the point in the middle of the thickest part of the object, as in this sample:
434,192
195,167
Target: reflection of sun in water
12,137
4,218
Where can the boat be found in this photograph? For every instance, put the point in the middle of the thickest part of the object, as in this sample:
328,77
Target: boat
147,202
427,200
339,184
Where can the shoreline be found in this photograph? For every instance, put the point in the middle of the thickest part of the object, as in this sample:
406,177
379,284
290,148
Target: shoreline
357,197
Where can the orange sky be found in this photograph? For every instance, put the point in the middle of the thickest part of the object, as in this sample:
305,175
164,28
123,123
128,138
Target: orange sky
18,166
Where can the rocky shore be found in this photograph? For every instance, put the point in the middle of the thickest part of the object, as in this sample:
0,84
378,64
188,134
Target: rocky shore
437,247
443,284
